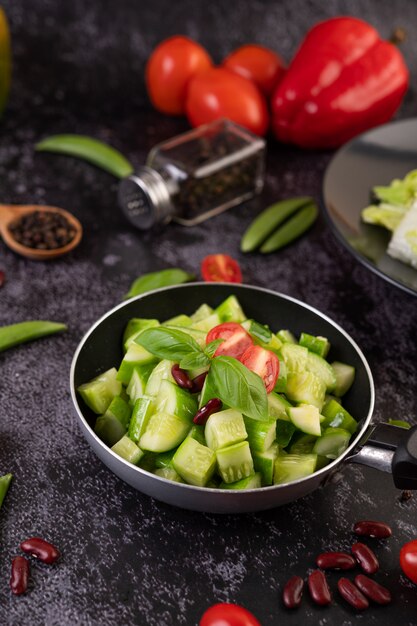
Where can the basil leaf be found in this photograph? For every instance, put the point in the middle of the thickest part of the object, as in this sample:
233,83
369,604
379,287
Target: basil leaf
238,387
211,348
154,280
194,361
168,343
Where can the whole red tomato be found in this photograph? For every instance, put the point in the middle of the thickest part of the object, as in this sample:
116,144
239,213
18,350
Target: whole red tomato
257,63
169,69
218,93
408,560
226,614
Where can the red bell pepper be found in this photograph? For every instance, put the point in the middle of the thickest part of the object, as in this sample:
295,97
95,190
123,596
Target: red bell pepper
343,80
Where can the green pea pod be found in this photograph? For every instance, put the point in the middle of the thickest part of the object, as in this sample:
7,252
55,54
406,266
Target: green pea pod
292,229
154,280
267,222
89,149
400,423
16,334
4,486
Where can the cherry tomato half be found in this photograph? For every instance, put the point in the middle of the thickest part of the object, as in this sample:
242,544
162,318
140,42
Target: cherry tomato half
257,63
264,363
408,560
236,339
218,93
220,268
226,614
169,69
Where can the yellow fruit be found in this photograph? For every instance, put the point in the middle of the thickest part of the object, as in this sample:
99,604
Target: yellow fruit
5,60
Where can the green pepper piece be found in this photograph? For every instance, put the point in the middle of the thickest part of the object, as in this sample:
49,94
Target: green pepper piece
292,229
89,149
267,221
22,332
4,486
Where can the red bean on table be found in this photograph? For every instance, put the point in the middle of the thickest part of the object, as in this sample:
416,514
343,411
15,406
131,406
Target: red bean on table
2,278
352,594
198,382
365,557
335,560
319,589
373,590
202,415
41,549
369,528
181,377
293,592
20,575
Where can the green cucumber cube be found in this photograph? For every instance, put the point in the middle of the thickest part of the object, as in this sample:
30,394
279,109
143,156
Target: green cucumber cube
147,462
175,400
286,336
197,433
111,426
335,416
251,482
261,435
332,443
281,384
179,320
164,459
169,474
292,467
319,345
135,356
138,380
284,432
230,311
224,429
303,444
294,357
345,375
164,432
306,387
100,391
194,462
143,408
259,332
264,463
204,310
128,450
277,406
322,369
306,418
235,462
133,329
207,323
161,372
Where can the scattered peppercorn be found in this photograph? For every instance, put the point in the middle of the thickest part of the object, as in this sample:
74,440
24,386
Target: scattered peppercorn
43,230
405,496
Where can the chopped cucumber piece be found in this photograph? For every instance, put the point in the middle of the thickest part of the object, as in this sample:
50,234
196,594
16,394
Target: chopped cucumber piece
259,332
323,370
179,320
207,323
230,311
161,372
286,336
198,335
251,482
197,433
147,462
261,435
138,381
306,418
307,388
143,408
203,311
332,443
264,463
128,450
345,375
292,467
224,429
284,432
175,400
281,384
337,417
303,444
169,473
235,462
164,459
135,356
133,329
100,391
277,406
319,345
164,432
111,426
294,357
194,463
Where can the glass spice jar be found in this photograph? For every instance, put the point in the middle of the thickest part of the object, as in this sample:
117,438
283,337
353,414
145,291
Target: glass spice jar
195,176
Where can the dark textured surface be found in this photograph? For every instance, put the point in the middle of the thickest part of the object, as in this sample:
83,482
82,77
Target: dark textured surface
126,558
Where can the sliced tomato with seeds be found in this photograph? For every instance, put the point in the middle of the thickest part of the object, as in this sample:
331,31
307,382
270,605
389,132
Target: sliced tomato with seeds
236,339
220,268
264,363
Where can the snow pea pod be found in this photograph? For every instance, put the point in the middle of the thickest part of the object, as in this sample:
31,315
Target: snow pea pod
155,280
22,332
266,223
4,486
89,149
292,229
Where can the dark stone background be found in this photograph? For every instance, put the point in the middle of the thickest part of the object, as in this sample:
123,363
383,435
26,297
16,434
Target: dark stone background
127,559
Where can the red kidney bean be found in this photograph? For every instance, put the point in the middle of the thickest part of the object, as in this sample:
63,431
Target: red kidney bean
2,278
181,377
319,589
41,549
20,575
293,592
373,590
351,594
335,560
368,528
202,415
198,382
365,557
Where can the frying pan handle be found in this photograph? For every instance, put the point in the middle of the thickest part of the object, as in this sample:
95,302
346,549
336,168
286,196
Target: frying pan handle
390,449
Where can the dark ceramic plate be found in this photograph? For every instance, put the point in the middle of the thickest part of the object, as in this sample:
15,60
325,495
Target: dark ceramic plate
374,158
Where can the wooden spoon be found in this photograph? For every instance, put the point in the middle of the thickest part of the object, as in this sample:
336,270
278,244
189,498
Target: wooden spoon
9,213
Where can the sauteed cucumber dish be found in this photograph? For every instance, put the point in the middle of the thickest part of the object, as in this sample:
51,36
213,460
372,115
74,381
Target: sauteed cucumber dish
220,401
